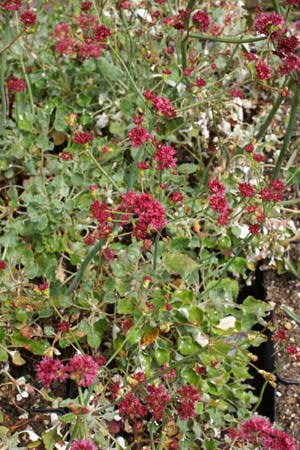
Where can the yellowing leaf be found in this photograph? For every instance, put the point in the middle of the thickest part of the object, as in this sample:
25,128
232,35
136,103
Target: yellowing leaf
150,337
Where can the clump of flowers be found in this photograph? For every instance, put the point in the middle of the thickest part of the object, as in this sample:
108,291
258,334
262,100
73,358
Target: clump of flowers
83,444
49,370
164,156
82,137
11,5
202,19
28,18
138,136
81,368
259,431
272,24
16,84
188,395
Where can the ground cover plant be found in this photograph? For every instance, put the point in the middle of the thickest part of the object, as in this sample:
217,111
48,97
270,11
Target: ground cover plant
145,157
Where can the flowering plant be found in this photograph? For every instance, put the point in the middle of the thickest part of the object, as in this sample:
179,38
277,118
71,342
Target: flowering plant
142,184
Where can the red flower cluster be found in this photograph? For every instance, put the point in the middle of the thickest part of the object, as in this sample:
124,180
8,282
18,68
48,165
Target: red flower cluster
28,18
82,137
16,84
132,407
273,193
263,71
178,22
83,444
2,264
94,36
85,6
156,400
202,19
260,432
270,24
102,213
138,136
81,368
11,5
246,189
164,107
218,202
164,156
49,370
146,213
188,396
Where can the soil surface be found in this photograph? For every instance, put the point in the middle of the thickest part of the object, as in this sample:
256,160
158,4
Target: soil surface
284,292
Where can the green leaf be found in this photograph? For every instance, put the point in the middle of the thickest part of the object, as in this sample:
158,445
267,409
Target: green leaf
179,263
186,345
38,347
109,71
134,335
126,305
239,265
187,169
93,339
162,355
3,355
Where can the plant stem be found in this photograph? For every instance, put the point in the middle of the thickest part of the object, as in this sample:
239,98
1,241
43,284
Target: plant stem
83,266
228,40
3,97
103,171
289,130
7,46
276,6
271,114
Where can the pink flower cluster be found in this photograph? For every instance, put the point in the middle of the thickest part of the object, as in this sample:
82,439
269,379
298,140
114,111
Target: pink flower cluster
162,105
16,84
259,431
28,18
138,136
273,25
202,19
81,368
94,37
83,444
188,395
156,400
218,201
146,214
11,5
273,193
164,156
270,24
83,137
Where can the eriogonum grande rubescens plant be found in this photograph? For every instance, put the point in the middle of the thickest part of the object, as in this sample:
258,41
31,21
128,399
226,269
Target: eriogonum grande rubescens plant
146,158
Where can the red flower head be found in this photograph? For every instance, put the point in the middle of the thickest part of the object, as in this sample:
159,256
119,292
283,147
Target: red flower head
83,444
263,71
82,137
11,5
28,18
202,19
49,370
164,107
138,136
164,156
83,369
16,84
272,24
